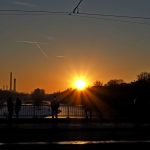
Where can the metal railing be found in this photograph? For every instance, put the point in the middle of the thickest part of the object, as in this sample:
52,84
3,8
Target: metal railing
66,111
44,111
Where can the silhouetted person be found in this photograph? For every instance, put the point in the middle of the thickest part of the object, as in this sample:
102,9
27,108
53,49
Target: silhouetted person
10,107
17,106
54,106
88,110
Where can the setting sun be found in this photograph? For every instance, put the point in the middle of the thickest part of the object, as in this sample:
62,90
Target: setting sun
80,84
79,80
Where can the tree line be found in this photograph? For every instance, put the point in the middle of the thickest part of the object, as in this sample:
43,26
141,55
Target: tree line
115,100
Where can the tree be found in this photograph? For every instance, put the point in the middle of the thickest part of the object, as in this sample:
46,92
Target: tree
144,76
115,82
98,84
38,95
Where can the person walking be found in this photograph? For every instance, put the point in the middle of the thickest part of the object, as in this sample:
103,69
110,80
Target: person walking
88,111
18,106
10,107
54,106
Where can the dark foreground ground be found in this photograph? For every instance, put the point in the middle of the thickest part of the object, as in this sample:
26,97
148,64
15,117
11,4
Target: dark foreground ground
72,134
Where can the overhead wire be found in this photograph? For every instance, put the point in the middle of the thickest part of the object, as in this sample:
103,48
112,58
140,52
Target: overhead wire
97,16
116,16
67,12
113,19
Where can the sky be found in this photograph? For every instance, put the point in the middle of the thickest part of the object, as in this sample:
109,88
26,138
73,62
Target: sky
50,51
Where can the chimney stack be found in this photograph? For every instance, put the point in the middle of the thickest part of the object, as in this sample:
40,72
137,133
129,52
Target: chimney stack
10,81
6,87
14,84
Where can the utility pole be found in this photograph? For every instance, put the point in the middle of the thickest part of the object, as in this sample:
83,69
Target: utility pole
77,7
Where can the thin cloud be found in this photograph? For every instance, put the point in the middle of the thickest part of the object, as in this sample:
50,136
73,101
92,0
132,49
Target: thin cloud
60,56
51,38
31,42
24,4
37,44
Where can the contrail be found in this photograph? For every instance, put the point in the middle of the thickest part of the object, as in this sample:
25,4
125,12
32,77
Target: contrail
37,44
31,42
42,51
24,4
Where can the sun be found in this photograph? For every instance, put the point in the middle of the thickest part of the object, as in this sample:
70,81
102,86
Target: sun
79,81
80,84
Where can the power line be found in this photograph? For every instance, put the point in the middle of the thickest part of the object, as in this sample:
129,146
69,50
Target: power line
114,20
17,12
120,18
116,16
31,14
45,12
33,11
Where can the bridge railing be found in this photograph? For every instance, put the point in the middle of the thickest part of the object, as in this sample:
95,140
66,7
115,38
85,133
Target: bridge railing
44,111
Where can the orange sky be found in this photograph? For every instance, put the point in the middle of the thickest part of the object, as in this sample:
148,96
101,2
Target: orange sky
49,51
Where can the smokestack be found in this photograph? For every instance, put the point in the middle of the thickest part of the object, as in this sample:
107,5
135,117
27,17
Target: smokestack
11,81
15,85
7,87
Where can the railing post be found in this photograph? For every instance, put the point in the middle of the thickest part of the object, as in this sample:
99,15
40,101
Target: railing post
68,111
33,110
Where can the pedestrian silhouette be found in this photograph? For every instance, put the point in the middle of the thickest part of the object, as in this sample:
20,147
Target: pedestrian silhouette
10,107
88,110
17,107
87,106
54,107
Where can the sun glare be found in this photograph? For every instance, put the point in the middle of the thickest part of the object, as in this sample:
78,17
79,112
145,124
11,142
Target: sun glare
80,84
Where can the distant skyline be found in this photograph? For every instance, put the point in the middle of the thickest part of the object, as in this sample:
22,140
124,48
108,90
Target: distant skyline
49,51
